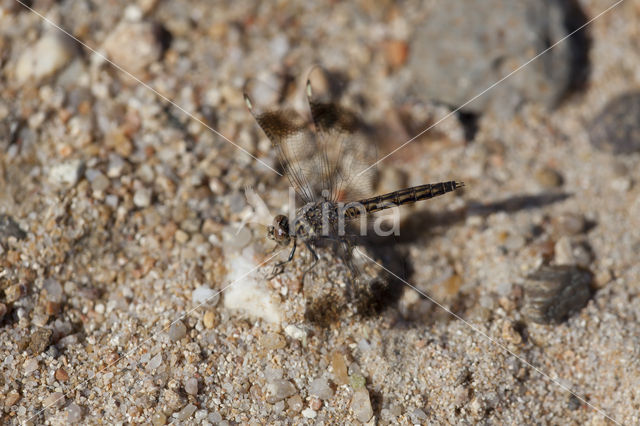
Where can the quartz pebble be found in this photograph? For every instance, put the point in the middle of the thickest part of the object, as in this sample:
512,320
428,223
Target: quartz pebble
186,412
295,403
361,405
320,388
278,390
133,45
205,295
66,173
191,386
48,55
56,399
177,331
309,413
142,197
74,413
53,290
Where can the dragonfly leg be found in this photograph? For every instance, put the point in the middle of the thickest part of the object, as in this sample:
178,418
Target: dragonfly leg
315,260
347,246
278,268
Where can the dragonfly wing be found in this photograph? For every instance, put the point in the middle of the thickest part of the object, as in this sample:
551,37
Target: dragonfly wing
344,151
290,135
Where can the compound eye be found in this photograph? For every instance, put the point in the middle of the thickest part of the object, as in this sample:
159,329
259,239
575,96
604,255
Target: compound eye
281,227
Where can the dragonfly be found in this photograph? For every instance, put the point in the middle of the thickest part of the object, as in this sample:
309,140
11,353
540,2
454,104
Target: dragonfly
328,161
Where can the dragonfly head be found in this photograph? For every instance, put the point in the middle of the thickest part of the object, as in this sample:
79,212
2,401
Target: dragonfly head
279,231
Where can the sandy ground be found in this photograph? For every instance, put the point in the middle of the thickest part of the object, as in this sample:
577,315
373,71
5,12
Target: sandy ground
130,294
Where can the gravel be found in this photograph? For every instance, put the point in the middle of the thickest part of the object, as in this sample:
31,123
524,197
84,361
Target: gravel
119,214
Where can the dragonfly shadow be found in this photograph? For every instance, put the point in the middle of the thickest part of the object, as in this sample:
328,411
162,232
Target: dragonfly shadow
420,224
392,256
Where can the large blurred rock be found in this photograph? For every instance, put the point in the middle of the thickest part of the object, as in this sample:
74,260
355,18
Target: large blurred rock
464,47
44,58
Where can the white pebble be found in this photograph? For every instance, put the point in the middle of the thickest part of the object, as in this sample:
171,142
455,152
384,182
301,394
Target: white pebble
186,412
361,405
133,45
30,366
320,388
142,197
279,390
309,413
155,362
295,332
74,413
177,331
66,173
53,289
56,399
205,295
43,59
191,386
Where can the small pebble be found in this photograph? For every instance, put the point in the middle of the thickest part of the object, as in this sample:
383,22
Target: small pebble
205,295
66,173
295,403
295,332
569,224
74,413
320,388
272,341
53,290
142,45
174,400
278,390
553,293
309,413
191,386
40,340
186,412
15,292
339,366
158,419
361,405
177,331
418,416
209,319
142,197
154,362
181,236
61,375
549,178
357,381
315,404
56,399
11,398
100,183
48,55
